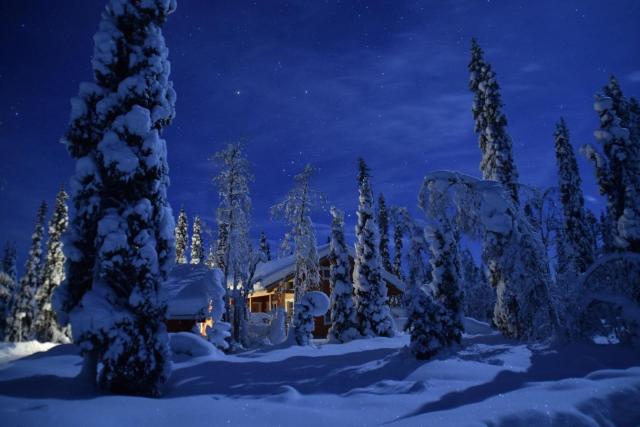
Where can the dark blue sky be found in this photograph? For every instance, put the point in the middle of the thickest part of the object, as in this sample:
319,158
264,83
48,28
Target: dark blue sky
319,82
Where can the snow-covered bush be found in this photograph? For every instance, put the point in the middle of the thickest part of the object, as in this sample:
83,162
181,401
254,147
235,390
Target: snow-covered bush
219,333
277,333
188,344
605,301
312,304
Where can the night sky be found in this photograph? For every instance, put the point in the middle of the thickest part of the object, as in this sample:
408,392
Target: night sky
319,82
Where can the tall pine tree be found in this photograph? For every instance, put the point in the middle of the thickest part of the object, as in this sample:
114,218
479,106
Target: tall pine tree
20,321
383,225
343,315
577,235
372,308
182,237
491,124
121,245
446,280
9,263
618,167
47,328
264,247
197,251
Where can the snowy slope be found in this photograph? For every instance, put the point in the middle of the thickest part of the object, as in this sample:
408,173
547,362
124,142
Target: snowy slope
488,380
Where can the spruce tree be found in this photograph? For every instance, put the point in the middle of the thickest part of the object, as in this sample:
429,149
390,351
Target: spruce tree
9,263
446,280
577,235
419,274
20,321
8,284
618,169
182,237
211,257
197,252
425,314
491,124
383,225
372,308
343,315
47,328
121,246
264,247
7,287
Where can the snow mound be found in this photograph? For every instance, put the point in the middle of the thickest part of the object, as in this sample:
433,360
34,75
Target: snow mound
317,302
10,351
188,344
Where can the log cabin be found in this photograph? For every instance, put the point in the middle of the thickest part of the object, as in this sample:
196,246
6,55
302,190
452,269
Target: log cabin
273,287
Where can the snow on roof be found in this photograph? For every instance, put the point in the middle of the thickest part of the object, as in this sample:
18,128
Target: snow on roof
269,273
188,291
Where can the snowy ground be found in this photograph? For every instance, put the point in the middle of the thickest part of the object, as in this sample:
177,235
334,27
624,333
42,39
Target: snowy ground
488,381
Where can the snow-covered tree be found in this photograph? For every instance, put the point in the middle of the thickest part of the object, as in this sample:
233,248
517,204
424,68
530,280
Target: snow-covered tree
264,247
445,277
311,304
594,231
372,307
220,251
277,331
286,246
383,226
233,252
419,274
182,237
9,263
46,325
122,244
7,288
296,209
211,257
618,170
219,333
401,225
605,228
424,317
577,235
197,252
491,124
479,298
343,315
517,265
20,322
425,314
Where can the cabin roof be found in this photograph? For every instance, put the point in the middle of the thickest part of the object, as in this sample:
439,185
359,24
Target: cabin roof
188,290
269,273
